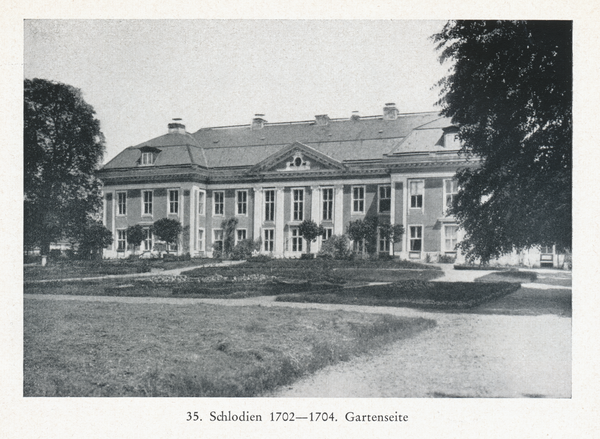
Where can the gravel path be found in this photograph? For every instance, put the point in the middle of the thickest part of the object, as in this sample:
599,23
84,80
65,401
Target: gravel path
518,346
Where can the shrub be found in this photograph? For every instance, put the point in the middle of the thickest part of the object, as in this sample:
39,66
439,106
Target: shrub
167,230
446,259
244,249
336,247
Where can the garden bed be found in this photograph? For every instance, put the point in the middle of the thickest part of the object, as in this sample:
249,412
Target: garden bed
413,294
509,276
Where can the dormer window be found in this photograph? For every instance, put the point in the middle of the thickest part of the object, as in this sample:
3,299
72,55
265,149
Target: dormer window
298,163
147,158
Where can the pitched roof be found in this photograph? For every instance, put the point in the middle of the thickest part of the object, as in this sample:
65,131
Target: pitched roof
343,140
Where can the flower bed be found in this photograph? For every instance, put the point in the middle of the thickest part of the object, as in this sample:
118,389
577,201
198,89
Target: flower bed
413,293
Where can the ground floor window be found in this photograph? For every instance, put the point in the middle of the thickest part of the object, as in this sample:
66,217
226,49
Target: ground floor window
450,238
201,240
328,232
121,240
147,240
416,238
218,239
269,243
296,240
240,235
383,243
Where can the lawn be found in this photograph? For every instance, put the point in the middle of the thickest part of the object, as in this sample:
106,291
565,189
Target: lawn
64,269
74,348
413,294
509,276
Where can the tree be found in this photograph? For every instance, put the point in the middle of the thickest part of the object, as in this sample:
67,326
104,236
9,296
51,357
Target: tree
392,232
364,231
510,92
229,226
310,231
167,230
94,238
135,236
63,147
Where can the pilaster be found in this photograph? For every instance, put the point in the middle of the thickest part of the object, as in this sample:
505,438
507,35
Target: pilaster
338,210
258,209
279,222
315,213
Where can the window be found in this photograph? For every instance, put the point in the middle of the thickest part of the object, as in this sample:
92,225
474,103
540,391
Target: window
240,235
298,198
269,240
450,191
174,202
201,240
416,238
201,197
383,243
450,238
328,231
147,158
242,202
121,203
147,244
270,205
296,240
416,194
219,203
358,199
121,240
385,198
545,249
327,204
147,201
218,239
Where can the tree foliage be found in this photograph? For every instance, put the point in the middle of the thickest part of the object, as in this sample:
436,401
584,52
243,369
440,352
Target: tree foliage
392,232
94,238
167,230
229,226
510,91
135,236
310,231
63,147
364,232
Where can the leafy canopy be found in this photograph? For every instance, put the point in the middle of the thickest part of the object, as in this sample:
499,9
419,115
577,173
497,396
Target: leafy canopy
167,229
510,91
310,231
63,147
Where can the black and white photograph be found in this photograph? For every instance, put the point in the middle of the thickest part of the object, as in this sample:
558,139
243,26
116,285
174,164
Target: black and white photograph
298,225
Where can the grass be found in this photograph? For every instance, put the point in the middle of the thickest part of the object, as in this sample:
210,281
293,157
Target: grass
74,348
509,276
413,294
64,269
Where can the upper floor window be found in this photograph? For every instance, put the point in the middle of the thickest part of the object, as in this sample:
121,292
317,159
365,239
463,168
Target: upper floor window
147,198
147,158
121,203
298,198
327,204
358,199
201,197
416,194
385,198
450,191
270,205
174,202
219,202
242,202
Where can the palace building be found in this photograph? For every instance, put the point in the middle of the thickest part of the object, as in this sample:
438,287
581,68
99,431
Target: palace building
272,176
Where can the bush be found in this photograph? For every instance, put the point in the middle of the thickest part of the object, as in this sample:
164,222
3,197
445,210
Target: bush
446,259
55,254
260,258
244,249
336,247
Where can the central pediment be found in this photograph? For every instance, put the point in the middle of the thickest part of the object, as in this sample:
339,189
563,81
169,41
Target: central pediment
297,157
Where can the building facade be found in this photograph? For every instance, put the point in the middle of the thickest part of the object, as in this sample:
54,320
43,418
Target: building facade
272,176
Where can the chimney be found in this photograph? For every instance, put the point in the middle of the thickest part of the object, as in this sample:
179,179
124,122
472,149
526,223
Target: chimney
390,112
258,122
322,119
355,115
176,126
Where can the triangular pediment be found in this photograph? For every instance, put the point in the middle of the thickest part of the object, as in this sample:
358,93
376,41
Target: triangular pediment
297,157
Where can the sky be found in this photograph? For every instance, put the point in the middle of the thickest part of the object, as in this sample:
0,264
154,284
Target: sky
140,74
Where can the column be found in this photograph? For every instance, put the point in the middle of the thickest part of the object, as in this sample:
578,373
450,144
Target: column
315,214
392,211
279,222
258,208
338,210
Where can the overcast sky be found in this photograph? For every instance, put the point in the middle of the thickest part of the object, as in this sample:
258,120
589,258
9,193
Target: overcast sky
139,74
